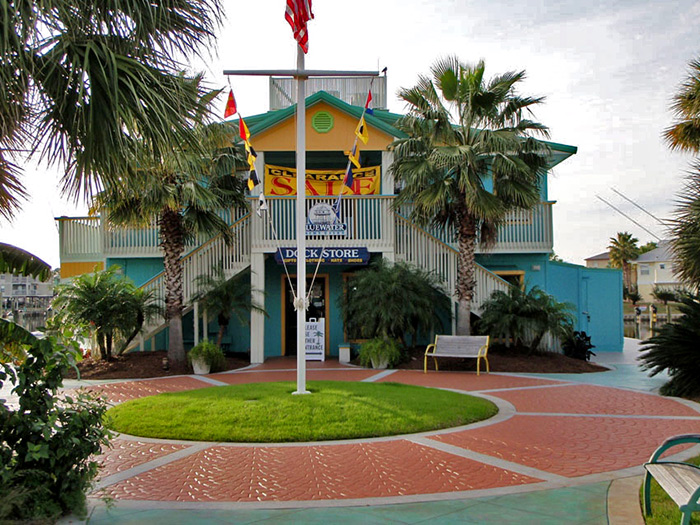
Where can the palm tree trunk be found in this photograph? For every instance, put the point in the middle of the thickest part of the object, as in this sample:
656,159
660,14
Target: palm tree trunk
172,242
466,271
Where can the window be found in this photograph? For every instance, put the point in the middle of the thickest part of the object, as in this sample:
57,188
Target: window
643,269
662,266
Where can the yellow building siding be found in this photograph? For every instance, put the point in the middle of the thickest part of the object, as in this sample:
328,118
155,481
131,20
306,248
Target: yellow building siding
282,137
72,269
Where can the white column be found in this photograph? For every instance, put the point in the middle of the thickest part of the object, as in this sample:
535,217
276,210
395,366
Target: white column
205,326
387,177
196,322
257,319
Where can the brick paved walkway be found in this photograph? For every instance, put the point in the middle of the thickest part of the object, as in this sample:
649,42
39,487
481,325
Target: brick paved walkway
547,434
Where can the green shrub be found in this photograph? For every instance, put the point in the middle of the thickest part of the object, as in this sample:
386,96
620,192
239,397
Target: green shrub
48,443
578,346
675,348
210,353
380,350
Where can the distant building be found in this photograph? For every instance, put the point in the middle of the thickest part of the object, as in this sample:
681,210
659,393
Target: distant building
602,260
655,269
26,298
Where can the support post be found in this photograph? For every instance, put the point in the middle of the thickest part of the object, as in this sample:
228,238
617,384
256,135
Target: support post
301,225
257,319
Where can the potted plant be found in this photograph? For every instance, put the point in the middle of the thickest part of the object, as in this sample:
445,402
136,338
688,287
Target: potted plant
380,352
205,356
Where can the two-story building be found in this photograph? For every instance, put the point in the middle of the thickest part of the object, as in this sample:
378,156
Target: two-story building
654,270
371,228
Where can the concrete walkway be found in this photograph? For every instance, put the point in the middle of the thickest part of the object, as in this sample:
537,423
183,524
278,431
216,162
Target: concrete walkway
549,456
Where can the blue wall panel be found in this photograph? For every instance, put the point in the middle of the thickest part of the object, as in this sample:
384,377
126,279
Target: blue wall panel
139,270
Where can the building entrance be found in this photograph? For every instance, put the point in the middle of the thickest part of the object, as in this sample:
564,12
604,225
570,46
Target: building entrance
318,309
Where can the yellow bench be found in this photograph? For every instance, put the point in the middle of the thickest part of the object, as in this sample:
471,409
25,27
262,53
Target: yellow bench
476,346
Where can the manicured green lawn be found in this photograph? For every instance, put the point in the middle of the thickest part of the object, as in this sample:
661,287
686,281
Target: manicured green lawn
664,510
268,412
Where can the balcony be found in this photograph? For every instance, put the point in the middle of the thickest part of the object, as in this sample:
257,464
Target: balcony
370,221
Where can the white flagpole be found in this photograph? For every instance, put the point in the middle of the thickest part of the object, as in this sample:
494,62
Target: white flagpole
301,225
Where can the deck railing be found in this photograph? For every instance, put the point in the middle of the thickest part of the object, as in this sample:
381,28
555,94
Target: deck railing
426,251
369,222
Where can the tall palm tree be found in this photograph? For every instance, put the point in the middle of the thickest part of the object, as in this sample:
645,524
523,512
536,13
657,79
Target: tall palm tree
17,261
684,135
86,84
184,191
623,249
467,173
685,227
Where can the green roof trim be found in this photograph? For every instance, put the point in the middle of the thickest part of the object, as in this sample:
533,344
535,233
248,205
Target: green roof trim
382,120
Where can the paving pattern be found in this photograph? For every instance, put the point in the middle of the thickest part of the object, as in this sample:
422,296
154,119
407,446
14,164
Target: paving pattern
547,431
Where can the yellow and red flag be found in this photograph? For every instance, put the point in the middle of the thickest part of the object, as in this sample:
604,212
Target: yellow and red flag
230,105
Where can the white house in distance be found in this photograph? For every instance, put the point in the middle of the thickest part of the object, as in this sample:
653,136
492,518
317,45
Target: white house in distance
655,269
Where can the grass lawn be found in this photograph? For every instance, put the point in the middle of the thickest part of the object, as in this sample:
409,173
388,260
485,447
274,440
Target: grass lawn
664,510
268,413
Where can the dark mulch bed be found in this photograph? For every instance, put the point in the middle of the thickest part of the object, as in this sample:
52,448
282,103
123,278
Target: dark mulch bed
139,365
508,360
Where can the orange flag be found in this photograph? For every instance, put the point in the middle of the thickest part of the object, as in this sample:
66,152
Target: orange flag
230,105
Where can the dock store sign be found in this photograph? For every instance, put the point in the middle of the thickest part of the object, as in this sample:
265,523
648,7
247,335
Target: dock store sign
348,256
322,220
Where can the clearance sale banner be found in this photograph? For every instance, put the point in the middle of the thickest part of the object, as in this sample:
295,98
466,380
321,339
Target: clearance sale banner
281,181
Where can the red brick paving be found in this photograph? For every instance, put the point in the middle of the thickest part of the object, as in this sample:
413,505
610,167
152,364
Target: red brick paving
566,445
125,454
571,446
467,381
119,392
378,469
589,399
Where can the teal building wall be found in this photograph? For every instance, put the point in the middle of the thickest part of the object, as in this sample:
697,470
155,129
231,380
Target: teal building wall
140,270
595,292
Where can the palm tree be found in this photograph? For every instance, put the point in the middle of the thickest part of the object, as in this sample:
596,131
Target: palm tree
684,135
470,174
224,298
685,227
526,317
17,261
87,84
623,249
184,191
109,304
392,300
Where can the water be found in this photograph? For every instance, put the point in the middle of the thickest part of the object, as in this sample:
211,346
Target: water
639,332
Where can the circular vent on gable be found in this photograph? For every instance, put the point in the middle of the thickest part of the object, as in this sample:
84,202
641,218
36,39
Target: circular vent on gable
322,122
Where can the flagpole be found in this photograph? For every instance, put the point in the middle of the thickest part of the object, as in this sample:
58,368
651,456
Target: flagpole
300,304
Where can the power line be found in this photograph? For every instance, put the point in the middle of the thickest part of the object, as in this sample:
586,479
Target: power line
662,223
629,218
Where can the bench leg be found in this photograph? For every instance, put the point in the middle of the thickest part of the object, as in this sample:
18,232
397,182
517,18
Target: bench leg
646,491
685,517
425,364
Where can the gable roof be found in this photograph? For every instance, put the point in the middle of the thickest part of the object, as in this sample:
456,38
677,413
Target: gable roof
605,256
382,120
660,254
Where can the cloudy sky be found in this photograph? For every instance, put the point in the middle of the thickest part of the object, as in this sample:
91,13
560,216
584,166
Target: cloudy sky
608,70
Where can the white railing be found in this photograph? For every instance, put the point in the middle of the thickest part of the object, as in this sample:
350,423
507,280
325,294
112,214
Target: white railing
352,90
368,218
422,249
80,239
523,231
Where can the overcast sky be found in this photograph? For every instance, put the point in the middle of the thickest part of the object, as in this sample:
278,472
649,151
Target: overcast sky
608,70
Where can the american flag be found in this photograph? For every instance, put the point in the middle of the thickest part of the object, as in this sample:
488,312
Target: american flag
297,14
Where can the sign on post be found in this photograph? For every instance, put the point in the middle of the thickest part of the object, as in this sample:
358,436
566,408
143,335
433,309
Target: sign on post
316,339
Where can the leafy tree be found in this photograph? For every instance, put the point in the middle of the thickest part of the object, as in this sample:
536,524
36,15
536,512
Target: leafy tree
392,300
684,135
554,257
634,296
674,348
86,84
526,317
623,249
184,191
665,295
651,245
223,297
468,174
109,304
47,443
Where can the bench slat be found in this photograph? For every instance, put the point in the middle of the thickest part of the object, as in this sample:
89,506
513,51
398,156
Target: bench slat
679,480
